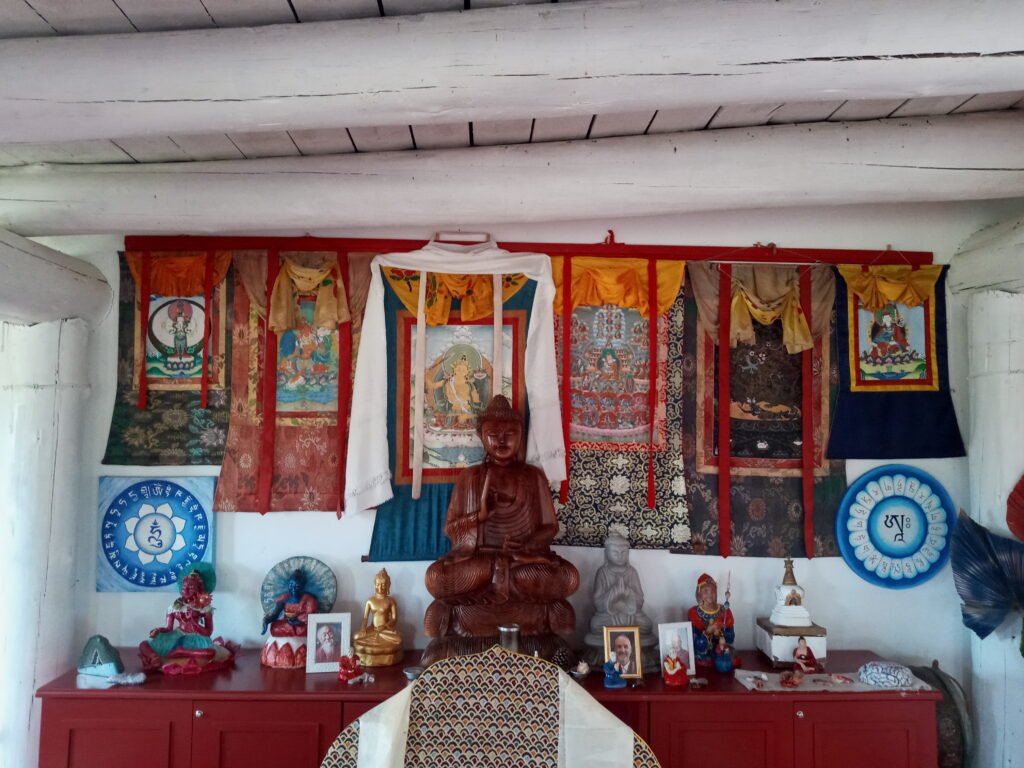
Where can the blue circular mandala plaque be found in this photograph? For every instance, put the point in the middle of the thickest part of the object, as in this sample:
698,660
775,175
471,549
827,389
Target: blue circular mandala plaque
151,531
893,526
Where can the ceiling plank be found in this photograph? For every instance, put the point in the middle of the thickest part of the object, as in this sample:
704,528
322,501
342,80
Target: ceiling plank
250,13
208,146
441,136
265,144
933,105
677,120
545,60
410,7
333,10
329,141
620,124
476,4
17,19
866,109
490,132
804,112
742,115
383,139
940,158
986,102
165,15
152,149
567,128
83,17
87,152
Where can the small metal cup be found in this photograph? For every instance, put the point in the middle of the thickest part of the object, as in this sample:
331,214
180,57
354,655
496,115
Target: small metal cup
508,637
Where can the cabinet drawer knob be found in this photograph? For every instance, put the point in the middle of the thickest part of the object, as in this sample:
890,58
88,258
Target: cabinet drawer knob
199,713
799,713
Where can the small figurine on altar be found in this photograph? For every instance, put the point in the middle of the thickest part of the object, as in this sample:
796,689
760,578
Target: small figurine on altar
349,667
673,666
184,644
291,591
618,602
723,656
351,671
296,604
612,675
710,620
803,656
378,642
581,670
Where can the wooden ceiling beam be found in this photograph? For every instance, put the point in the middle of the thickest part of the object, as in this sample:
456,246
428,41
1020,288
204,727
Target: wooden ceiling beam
38,284
516,62
959,157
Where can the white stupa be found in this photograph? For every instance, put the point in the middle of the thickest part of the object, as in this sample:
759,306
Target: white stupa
789,610
777,635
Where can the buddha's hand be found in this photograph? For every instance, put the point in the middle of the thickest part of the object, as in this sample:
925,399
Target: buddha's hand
158,631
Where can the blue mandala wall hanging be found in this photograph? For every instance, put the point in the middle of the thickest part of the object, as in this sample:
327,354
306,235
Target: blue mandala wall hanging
893,526
151,530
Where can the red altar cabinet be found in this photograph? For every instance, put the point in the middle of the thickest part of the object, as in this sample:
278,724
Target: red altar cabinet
252,716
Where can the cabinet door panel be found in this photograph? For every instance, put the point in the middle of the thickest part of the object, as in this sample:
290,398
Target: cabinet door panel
847,734
722,735
254,734
100,734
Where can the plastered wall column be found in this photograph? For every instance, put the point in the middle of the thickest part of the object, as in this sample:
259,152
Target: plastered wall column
996,461
42,387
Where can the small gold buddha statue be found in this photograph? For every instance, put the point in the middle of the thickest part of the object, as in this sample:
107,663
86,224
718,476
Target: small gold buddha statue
377,642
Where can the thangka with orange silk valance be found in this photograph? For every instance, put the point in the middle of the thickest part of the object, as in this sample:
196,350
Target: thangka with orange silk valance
894,399
168,337
284,447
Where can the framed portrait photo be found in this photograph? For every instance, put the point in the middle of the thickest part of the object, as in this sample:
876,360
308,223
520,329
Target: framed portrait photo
675,645
327,640
623,643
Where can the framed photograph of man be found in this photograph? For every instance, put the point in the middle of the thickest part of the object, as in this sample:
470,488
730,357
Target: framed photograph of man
327,640
623,644
675,646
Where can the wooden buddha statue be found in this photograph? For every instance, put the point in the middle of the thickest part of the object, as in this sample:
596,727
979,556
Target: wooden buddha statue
501,569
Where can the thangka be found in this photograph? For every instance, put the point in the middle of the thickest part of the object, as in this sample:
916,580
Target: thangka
151,530
609,425
894,400
414,439
766,444
299,458
173,427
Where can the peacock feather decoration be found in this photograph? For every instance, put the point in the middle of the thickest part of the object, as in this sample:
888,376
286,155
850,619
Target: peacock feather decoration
988,571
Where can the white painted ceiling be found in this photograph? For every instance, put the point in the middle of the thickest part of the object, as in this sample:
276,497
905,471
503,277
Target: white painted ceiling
38,18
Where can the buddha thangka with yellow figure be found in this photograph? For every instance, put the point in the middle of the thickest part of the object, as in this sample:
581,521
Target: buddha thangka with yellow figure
377,642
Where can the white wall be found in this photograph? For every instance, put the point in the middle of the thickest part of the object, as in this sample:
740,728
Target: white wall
996,463
913,626
42,388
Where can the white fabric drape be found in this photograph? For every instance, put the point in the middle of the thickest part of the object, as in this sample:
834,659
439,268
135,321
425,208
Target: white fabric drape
367,472
589,736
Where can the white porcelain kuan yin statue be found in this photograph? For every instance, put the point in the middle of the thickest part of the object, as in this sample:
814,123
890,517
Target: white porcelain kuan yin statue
789,610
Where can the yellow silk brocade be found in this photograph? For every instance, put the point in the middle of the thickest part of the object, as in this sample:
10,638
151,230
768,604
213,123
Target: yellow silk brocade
475,293
796,334
331,307
178,273
900,283
598,280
